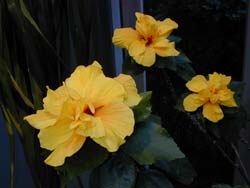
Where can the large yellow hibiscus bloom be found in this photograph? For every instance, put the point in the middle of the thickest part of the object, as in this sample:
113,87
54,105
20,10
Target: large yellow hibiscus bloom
147,39
88,104
210,94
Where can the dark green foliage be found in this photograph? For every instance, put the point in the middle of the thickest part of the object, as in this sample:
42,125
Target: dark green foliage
152,179
152,143
180,170
180,65
143,109
117,172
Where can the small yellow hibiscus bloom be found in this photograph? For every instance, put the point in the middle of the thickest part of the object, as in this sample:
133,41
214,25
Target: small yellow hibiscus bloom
88,104
210,94
148,39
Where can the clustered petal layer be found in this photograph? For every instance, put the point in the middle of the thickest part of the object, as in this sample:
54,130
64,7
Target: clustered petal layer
147,39
88,104
210,94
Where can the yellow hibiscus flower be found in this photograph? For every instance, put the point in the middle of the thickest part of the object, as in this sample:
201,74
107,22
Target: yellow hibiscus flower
148,39
210,94
88,104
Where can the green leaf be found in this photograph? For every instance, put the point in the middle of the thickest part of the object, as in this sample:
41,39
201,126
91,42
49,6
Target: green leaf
90,156
16,86
118,172
29,17
20,92
150,143
152,179
180,169
143,109
179,64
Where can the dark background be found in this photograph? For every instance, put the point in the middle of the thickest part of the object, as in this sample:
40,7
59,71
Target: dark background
213,37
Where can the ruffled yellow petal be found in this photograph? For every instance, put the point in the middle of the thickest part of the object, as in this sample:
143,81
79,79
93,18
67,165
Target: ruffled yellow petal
166,27
192,102
124,37
41,119
51,137
229,103
225,94
146,59
66,149
226,98
219,81
136,48
54,100
103,90
165,48
197,84
81,79
212,112
145,24
118,121
132,97
92,127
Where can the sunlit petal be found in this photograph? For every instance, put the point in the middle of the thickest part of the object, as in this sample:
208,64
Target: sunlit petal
81,79
118,120
105,90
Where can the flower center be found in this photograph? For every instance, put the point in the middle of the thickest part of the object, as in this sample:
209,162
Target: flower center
149,40
89,109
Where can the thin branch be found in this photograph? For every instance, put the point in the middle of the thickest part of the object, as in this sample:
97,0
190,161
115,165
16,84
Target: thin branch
242,168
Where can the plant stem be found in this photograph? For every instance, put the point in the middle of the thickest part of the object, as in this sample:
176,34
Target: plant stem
80,182
62,181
